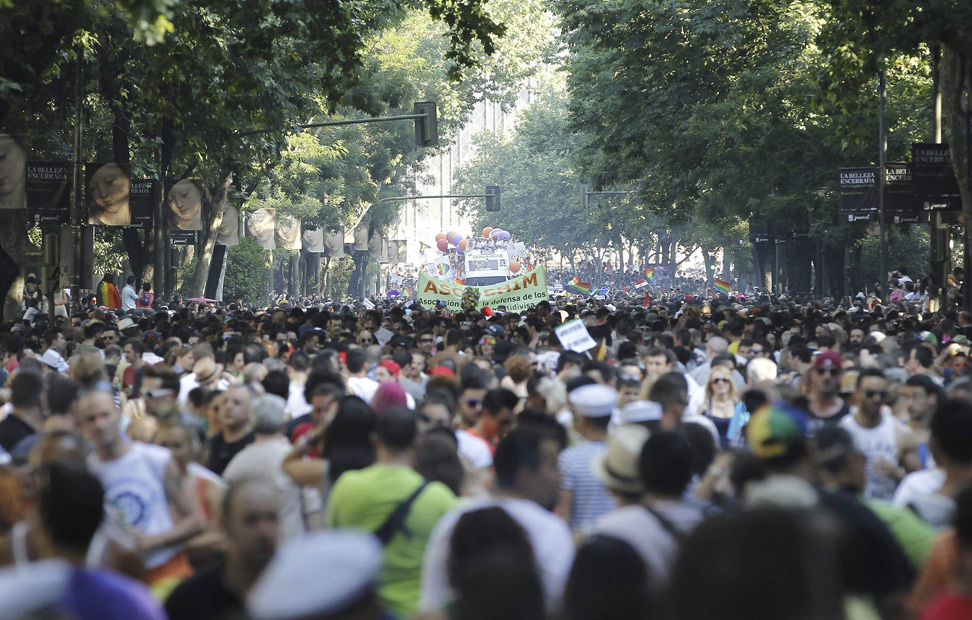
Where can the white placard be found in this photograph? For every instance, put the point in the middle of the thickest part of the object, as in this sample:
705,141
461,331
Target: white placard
573,335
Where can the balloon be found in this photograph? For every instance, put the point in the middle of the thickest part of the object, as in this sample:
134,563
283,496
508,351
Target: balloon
450,235
514,266
456,238
439,237
460,251
443,245
503,236
495,233
462,245
486,231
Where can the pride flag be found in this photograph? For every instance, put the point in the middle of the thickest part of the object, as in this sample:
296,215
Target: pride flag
722,286
576,286
650,274
423,247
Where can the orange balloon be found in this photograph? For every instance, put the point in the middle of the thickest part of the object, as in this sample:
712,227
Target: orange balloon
514,267
440,237
486,231
462,245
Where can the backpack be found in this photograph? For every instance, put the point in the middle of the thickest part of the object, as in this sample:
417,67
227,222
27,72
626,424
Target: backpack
146,299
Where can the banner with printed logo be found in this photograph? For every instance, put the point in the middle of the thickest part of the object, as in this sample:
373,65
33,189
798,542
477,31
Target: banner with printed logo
517,294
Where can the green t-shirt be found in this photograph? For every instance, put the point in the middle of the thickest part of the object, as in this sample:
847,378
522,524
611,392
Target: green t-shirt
914,535
364,499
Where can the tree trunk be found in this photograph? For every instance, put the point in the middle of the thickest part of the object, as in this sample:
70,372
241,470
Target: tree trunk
210,231
798,253
956,77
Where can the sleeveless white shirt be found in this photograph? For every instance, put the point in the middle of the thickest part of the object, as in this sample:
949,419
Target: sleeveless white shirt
876,443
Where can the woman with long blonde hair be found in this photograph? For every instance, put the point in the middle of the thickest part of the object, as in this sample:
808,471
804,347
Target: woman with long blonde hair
722,402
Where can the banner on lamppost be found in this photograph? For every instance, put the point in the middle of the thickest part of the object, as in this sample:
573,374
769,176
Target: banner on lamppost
934,184
899,202
48,191
13,165
858,192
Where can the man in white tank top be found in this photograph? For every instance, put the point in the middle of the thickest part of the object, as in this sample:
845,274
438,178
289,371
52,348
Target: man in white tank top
143,494
890,447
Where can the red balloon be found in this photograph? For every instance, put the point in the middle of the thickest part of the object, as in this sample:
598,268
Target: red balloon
442,244
462,245
514,266
440,237
486,231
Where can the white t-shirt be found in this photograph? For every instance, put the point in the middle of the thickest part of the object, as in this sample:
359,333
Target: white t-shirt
474,449
297,404
363,387
917,484
135,497
553,548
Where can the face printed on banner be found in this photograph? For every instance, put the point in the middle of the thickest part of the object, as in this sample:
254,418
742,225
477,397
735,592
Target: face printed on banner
313,239
13,167
185,202
334,243
229,227
288,232
376,244
260,225
108,193
361,237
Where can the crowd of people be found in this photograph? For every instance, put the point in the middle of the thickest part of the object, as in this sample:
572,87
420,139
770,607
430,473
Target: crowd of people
733,458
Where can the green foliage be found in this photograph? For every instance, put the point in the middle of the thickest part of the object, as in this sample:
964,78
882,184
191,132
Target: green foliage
247,275
109,251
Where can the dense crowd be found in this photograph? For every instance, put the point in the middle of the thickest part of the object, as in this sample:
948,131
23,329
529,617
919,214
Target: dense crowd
737,458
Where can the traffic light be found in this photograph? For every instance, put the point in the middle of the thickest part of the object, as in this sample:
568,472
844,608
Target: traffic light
492,198
427,127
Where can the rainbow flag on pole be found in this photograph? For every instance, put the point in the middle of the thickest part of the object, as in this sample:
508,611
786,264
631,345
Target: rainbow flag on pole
650,274
722,286
578,287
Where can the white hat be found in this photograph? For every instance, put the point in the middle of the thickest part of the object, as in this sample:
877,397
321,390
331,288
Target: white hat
316,575
53,359
125,324
593,401
640,411
617,467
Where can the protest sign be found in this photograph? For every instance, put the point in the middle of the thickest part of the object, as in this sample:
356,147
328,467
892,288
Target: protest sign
517,294
573,335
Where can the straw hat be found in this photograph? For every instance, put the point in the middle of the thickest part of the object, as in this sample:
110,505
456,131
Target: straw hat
617,468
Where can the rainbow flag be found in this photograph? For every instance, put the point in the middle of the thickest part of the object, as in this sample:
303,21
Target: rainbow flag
650,274
722,286
576,286
423,247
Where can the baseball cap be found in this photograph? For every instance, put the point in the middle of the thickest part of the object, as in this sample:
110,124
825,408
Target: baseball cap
827,359
776,430
391,367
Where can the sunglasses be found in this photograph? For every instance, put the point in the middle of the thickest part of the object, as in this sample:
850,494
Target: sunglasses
367,341
720,380
872,393
473,403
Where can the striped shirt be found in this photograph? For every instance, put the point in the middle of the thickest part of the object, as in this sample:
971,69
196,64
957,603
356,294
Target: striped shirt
591,499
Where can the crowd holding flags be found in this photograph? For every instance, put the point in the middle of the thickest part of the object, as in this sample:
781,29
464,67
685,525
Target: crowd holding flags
722,286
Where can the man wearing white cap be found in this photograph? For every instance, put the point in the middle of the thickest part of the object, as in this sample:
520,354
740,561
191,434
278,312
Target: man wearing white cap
583,498
329,575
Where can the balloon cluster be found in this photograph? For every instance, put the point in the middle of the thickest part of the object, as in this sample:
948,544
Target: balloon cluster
496,233
444,240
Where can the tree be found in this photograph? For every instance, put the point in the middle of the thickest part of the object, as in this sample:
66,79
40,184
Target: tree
713,110
212,71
